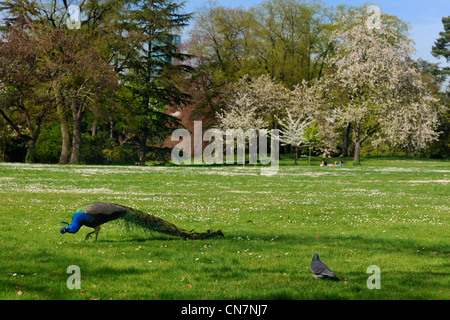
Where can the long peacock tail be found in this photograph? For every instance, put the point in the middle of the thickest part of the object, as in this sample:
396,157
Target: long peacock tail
153,223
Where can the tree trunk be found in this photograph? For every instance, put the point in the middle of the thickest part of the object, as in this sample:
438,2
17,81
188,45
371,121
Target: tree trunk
356,158
111,129
3,147
35,132
296,155
94,128
76,138
31,157
356,143
345,140
65,137
309,161
144,128
143,148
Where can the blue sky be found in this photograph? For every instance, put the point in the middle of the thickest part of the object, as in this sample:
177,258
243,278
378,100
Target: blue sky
423,17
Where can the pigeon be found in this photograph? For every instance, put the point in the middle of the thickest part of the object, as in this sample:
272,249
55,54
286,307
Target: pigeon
320,269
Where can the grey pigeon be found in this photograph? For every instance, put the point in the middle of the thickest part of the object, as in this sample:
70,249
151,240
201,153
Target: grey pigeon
320,269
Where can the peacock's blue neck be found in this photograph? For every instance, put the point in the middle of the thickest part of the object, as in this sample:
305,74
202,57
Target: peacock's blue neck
78,220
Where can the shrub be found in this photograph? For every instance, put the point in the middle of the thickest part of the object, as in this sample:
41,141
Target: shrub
91,149
120,155
48,145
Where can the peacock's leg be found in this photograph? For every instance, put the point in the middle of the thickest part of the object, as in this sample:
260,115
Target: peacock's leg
96,230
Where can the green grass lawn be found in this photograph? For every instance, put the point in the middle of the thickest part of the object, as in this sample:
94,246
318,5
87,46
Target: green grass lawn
391,213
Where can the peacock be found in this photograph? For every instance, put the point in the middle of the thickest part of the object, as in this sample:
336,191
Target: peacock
95,214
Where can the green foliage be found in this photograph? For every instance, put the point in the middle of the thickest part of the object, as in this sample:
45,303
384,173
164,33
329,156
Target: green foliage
286,39
441,147
441,47
91,150
48,145
138,39
120,155
100,149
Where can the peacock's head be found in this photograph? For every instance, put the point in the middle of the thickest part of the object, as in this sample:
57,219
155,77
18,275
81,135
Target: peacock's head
64,229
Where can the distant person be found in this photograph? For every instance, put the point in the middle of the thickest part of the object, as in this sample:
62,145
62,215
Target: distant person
324,163
340,164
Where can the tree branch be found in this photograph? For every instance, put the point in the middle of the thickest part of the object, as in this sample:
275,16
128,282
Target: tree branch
369,132
16,128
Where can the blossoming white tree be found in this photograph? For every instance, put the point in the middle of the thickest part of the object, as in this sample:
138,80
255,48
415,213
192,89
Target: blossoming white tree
312,137
263,103
292,132
271,97
306,100
376,87
241,113
240,119
267,98
253,106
